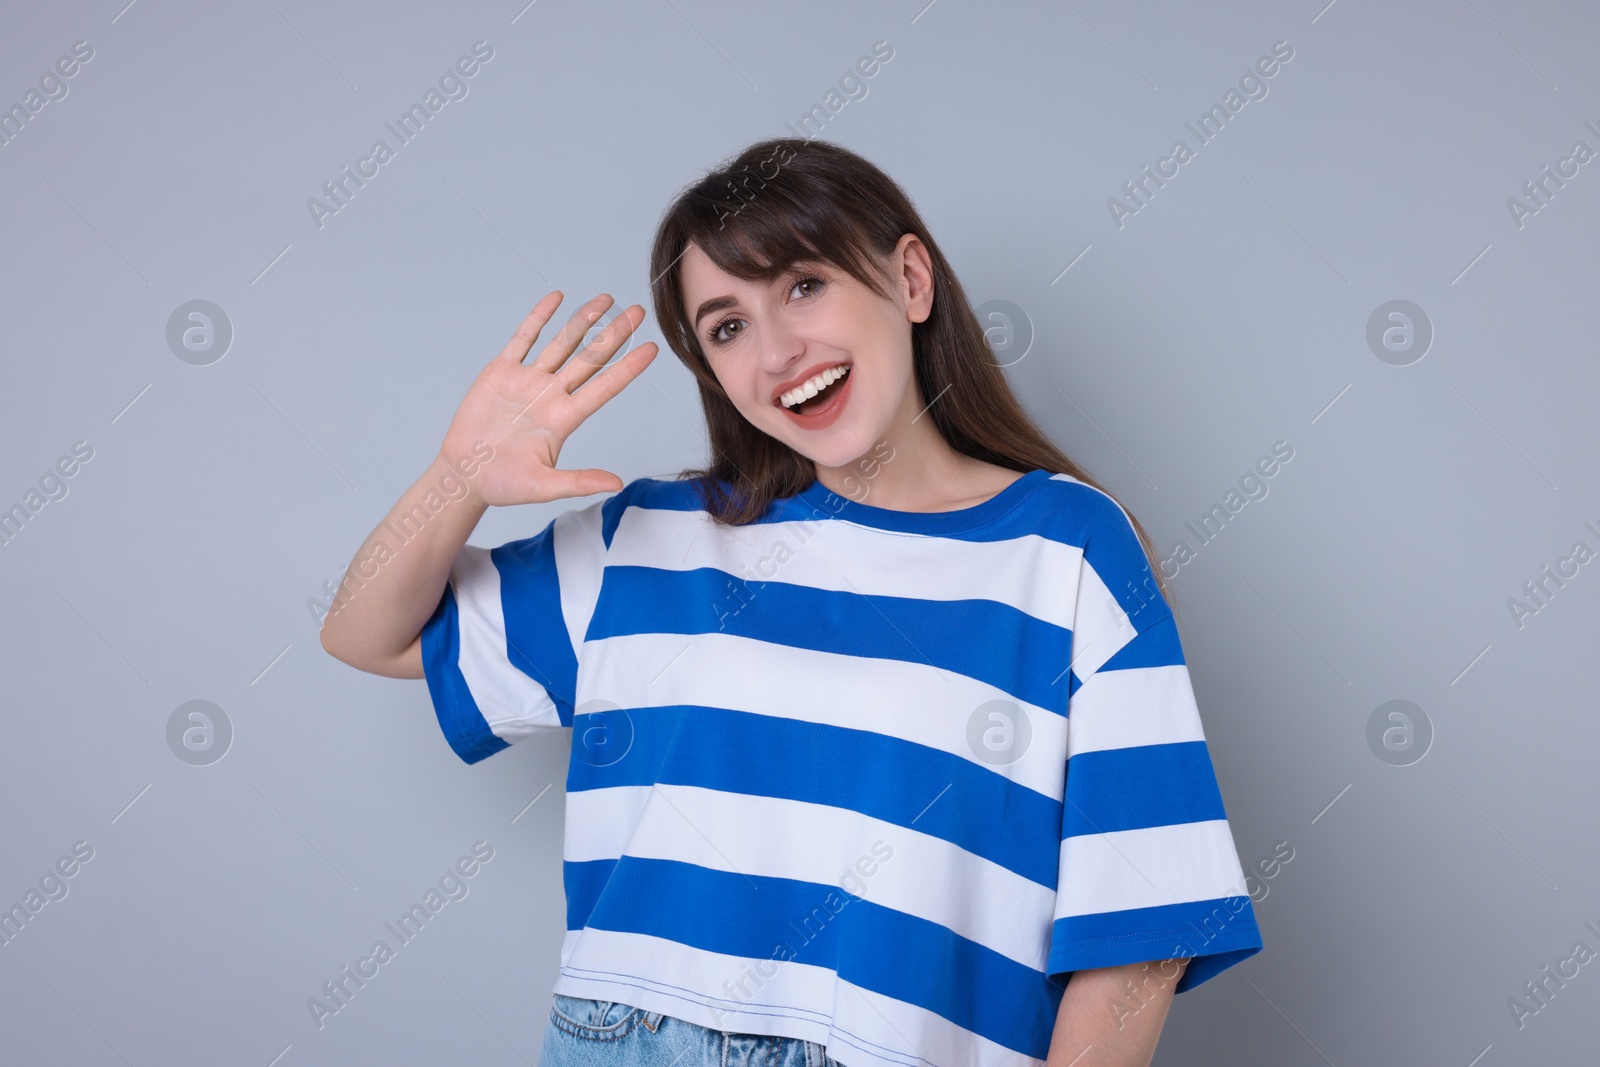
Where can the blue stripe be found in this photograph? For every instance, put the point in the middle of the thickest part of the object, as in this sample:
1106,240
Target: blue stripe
1065,512
1115,553
982,639
584,881
907,784
1134,788
1213,934
783,919
1155,646
463,724
530,599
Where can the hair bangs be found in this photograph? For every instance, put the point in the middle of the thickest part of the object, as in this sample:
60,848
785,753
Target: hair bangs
783,225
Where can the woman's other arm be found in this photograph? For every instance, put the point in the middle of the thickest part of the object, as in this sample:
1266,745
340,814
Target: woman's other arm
1112,1016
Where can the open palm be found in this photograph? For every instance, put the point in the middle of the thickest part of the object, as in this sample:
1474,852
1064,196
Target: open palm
526,411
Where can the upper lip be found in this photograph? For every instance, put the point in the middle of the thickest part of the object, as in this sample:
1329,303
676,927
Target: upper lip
805,376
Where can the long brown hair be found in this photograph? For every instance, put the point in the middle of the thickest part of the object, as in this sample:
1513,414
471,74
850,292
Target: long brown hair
788,199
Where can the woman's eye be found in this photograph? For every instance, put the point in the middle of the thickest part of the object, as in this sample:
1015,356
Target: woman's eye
714,335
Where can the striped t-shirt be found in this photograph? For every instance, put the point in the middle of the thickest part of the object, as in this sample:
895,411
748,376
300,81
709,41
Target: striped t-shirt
870,778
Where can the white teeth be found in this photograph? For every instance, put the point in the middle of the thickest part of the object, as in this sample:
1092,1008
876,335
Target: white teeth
813,386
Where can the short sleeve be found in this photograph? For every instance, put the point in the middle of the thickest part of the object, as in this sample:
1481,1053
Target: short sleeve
500,652
1148,869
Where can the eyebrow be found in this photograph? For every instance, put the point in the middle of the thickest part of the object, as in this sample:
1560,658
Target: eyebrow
714,304
720,302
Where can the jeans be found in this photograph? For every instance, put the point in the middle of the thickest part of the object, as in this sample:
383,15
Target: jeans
597,1033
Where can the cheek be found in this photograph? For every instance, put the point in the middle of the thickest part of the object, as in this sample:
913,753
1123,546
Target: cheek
739,387
722,371
891,369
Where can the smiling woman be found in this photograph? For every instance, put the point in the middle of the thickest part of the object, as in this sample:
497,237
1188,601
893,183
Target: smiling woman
852,643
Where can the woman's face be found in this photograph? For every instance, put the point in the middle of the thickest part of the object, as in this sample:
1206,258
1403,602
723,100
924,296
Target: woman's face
815,324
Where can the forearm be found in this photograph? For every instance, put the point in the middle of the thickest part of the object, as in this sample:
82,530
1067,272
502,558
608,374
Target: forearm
1112,1016
397,576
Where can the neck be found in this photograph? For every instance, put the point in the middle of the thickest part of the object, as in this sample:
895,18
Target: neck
911,467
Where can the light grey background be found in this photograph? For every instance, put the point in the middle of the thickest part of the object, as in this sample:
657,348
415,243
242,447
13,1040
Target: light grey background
1229,313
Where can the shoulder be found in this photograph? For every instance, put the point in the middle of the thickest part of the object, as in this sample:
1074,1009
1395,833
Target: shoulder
1077,513
677,493
584,529
1115,564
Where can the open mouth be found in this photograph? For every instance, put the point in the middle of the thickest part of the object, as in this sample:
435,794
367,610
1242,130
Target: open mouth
817,393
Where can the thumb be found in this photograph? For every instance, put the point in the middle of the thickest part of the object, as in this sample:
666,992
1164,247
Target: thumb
586,482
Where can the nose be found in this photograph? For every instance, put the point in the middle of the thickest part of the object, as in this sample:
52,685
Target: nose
781,347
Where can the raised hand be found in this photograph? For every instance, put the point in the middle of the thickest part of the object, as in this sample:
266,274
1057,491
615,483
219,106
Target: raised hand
526,411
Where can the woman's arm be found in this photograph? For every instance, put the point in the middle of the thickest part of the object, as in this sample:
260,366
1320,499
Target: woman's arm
1112,1016
391,587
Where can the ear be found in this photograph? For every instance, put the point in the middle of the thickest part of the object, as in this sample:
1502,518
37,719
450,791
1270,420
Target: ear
913,273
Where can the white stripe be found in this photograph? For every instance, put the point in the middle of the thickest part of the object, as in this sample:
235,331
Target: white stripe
1100,627
759,836
1033,574
512,703
580,551
1147,868
774,996
1138,706
913,701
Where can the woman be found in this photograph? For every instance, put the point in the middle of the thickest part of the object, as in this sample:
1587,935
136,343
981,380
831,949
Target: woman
822,804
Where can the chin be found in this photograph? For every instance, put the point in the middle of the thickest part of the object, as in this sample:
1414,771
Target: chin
839,447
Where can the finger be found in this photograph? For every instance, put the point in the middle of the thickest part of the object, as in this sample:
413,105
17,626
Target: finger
554,354
614,380
597,353
516,349
585,482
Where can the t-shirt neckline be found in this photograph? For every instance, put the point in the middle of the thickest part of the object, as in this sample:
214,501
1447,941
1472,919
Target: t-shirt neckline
961,519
